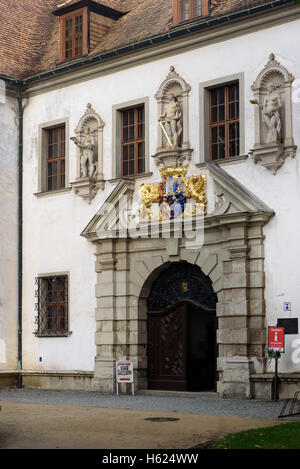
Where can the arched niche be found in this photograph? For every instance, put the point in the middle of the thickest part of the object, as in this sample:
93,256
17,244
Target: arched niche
175,90
89,148
272,98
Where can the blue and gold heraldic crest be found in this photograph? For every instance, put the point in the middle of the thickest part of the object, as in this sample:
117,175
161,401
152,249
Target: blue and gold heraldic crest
175,196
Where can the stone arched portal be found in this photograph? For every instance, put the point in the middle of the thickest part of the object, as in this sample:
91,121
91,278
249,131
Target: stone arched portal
232,255
181,329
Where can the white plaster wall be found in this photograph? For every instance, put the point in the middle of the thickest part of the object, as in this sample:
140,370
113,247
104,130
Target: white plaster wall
52,226
8,231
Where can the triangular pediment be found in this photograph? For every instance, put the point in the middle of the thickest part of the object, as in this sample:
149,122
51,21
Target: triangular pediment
105,222
231,196
231,199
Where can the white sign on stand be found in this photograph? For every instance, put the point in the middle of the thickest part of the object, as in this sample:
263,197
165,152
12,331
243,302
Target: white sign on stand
124,373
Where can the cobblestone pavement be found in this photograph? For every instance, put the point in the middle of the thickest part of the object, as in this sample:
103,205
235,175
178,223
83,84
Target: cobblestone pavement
184,404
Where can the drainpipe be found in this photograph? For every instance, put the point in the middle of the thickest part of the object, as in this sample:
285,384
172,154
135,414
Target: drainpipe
20,230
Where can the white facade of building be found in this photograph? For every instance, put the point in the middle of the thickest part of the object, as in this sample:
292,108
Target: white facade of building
53,222
8,229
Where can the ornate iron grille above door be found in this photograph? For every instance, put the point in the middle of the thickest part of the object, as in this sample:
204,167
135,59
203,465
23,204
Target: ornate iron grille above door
182,282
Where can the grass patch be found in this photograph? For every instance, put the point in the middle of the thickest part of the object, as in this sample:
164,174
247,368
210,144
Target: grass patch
285,436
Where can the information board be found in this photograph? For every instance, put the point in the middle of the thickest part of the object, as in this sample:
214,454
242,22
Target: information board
276,339
124,371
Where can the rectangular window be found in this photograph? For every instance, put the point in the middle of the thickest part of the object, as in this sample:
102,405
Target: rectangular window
133,141
73,37
224,121
52,304
55,158
197,8
73,29
185,10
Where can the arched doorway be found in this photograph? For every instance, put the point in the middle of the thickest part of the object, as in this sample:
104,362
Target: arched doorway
182,326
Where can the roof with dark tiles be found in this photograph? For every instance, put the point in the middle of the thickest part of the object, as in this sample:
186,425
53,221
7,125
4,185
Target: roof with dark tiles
29,40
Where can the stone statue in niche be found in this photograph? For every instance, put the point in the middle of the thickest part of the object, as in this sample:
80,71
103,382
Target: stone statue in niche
171,121
173,147
89,154
270,114
274,140
87,146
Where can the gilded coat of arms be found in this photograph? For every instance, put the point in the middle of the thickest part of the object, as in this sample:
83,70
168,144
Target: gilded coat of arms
175,196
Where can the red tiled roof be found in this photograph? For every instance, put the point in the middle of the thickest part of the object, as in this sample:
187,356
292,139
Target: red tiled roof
119,5
29,42
26,28
154,17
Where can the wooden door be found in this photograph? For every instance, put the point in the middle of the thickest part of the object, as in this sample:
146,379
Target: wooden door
167,349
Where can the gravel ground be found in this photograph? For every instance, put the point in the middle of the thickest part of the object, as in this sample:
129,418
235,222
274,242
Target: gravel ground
184,404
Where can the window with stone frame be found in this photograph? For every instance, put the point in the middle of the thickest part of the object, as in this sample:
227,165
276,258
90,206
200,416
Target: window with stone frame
52,305
55,148
74,34
186,10
133,141
224,121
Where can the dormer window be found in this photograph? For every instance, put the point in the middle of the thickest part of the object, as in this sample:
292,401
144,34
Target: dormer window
73,27
73,36
83,23
186,10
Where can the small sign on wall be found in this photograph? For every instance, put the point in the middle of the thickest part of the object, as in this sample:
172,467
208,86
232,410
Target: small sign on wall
290,325
124,373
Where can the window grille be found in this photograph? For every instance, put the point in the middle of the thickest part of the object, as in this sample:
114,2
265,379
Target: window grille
51,305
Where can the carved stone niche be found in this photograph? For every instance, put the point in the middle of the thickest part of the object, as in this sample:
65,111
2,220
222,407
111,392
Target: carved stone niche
273,116
173,146
89,143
